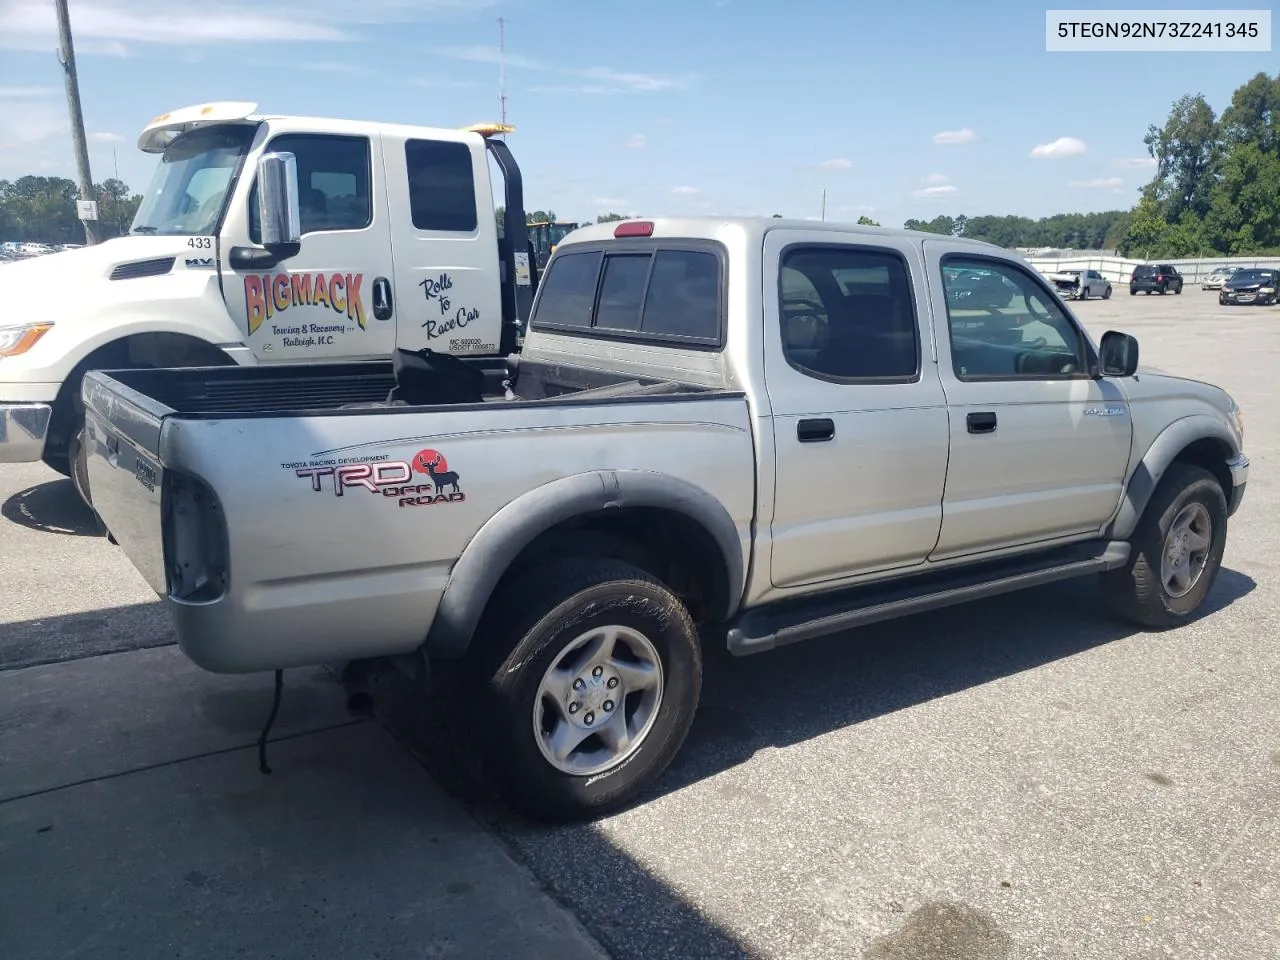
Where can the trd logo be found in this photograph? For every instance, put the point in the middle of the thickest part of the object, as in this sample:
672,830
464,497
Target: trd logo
392,478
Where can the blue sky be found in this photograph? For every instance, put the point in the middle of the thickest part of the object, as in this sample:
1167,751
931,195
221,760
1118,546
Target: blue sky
905,109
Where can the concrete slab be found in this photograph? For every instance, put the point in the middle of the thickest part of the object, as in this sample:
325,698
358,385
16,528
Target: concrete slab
347,850
70,722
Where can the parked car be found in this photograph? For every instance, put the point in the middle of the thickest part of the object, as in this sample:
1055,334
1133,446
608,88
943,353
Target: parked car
1157,278
1251,286
1081,284
740,432
1219,276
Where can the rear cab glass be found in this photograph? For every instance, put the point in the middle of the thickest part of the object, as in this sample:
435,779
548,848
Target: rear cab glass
670,291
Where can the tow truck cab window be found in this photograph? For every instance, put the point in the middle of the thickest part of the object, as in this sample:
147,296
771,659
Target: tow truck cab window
648,292
333,182
442,186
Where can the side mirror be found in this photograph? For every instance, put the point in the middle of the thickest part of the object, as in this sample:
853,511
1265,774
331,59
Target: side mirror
1118,354
278,204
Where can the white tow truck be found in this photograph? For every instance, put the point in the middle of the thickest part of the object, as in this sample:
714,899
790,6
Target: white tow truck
395,246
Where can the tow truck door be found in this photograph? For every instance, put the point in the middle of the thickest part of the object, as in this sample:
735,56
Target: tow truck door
444,240
331,301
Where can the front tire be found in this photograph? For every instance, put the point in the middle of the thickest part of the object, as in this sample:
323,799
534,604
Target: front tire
1106,294
589,673
1177,550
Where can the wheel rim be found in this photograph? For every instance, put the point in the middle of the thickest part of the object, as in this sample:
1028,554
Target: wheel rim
1186,550
598,700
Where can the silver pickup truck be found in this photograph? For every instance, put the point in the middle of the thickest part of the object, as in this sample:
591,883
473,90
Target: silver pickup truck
736,432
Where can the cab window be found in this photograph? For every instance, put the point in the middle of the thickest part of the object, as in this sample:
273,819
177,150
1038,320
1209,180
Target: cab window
442,187
334,174
847,314
1004,325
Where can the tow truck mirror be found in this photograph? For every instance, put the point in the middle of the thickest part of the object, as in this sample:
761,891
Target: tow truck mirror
278,204
1118,354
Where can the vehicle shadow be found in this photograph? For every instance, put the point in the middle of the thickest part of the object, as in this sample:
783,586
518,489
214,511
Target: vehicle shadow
775,699
52,507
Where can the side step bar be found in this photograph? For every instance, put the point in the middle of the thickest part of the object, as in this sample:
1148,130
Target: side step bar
777,625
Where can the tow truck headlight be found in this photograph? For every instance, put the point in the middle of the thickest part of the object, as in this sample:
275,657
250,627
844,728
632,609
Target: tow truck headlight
18,340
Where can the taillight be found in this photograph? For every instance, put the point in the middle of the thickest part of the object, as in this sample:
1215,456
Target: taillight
1159,278
634,228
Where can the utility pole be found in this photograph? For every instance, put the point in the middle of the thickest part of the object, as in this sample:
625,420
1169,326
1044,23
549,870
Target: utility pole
67,57
824,204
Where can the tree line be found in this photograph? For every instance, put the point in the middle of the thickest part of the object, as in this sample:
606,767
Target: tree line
1215,191
43,210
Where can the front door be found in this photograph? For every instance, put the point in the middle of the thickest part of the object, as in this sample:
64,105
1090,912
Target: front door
1039,447
320,304
444,238
859,417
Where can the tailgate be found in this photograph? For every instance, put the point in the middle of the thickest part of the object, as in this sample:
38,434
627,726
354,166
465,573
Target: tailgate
122,442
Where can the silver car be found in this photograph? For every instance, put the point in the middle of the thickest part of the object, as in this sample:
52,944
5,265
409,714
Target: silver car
1218,277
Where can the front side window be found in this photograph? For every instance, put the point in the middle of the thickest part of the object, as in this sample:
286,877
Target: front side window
334,182
847,314
442,186
1010,327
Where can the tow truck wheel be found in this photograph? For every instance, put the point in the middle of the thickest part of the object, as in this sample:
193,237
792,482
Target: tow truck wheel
587,676
1177,551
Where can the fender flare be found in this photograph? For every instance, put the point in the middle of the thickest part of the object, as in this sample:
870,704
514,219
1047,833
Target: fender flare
1150,470
503,536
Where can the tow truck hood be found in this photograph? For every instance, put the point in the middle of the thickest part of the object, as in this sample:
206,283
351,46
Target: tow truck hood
60,283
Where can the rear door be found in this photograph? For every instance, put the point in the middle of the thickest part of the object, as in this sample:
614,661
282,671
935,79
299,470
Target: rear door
444,239
319,304
859,417
1039,447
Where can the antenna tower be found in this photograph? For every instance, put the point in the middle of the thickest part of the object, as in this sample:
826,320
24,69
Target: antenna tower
502,68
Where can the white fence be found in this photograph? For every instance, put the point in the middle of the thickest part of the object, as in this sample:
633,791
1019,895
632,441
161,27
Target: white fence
1118,269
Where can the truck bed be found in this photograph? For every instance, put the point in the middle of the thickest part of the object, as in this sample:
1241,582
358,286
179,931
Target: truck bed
289,515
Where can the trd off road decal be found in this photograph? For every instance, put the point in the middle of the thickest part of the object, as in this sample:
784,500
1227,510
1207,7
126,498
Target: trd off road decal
391,479
268,295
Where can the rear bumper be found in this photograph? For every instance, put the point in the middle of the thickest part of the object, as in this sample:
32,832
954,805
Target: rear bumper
1239,467
23,429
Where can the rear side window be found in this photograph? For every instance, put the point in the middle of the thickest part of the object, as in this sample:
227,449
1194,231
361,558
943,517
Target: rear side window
847,314
442,186
665,294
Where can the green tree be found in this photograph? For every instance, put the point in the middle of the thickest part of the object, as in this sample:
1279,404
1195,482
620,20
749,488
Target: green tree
1244,214
609,217
1254,115
865,221
1187,150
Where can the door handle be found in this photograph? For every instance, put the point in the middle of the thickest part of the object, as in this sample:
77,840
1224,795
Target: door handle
981,422
812,431
381,299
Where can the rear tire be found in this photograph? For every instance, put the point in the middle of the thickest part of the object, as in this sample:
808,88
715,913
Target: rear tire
1177,550
549,656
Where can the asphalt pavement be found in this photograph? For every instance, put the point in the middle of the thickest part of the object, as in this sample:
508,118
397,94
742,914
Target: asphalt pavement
1022,777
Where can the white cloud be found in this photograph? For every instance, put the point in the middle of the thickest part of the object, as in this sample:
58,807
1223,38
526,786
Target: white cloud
104,136
604,79
685,191
936,178
1062,147
940,191
1134,163
636,141
104,26
25,93
964,135
1096,182
839,163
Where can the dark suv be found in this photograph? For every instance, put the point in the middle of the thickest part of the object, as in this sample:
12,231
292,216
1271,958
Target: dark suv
1155,278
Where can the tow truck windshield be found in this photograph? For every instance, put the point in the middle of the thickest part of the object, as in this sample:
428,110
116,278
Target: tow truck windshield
188,191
